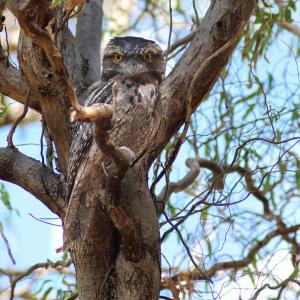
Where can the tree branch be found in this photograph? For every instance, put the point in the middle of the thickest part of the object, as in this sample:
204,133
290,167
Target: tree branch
34,177
185,182
12,83
280,285
17,277
26,16
88,40
200,65
219,172
293,28
290,27
54,84
234,264
179,43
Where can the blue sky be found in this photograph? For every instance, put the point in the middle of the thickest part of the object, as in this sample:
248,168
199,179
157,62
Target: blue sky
31,241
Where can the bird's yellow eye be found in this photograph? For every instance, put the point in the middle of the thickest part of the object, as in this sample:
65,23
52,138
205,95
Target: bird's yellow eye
148,56
118,58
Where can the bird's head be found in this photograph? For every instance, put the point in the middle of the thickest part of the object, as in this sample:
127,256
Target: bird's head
133,58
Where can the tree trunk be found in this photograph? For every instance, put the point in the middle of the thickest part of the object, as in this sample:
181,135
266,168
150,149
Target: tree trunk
116,248
103,267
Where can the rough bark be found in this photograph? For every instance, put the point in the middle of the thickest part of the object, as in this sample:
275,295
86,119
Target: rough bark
34,177
12,83
104,268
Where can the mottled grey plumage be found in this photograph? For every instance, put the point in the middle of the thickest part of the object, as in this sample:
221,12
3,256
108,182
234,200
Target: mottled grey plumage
101,92
132,71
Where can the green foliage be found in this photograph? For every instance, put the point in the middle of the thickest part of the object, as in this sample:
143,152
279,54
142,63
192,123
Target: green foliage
4,197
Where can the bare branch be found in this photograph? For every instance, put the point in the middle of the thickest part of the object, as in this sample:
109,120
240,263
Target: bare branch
185,182
219,173
56,90
290,27
18,277
34,177
7,245
280,285
217,170
186,248
234,264
18,120
12,83
88,40
201,64
179,43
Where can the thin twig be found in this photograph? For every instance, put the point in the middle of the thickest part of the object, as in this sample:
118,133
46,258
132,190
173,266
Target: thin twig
7,245
73,296
241,263
196,15
275,287
241,146
41,143
42,221
18,120
187,248
266,102
170,33
48,264
179,43
188,104
7,46
65,20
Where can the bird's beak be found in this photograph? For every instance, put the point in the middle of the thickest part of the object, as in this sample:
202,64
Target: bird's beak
133,68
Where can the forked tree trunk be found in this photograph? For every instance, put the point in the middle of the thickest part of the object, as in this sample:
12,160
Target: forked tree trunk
104,267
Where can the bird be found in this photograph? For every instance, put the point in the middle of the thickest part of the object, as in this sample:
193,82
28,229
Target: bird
132,71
